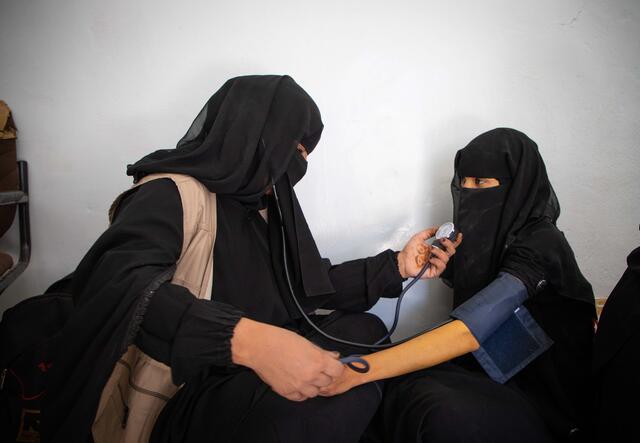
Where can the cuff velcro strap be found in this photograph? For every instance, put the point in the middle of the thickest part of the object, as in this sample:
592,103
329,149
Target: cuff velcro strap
515,344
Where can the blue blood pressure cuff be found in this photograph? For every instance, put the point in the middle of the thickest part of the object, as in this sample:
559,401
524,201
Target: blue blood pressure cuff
509,336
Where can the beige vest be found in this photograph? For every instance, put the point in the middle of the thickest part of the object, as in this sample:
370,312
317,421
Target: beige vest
140,386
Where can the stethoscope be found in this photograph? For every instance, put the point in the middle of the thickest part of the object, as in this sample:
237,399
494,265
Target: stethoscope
355,362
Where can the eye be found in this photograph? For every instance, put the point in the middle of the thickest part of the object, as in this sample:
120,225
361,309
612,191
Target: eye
480,181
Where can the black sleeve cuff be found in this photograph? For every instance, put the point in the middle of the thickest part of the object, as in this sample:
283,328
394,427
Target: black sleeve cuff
360,283
186,333
203,339
385,279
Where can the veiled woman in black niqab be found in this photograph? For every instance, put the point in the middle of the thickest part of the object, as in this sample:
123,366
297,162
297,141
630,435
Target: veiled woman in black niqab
527,380
509,228
512,228
494,218
241,143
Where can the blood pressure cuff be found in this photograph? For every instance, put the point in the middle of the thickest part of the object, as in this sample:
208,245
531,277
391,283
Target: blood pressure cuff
509,336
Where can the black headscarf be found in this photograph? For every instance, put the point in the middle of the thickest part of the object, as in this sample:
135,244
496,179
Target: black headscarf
243,141
511,226
243,138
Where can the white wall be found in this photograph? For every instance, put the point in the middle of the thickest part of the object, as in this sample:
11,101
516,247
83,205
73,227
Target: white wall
402,85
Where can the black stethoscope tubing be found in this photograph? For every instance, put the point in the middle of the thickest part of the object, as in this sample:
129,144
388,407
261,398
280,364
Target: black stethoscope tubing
371,346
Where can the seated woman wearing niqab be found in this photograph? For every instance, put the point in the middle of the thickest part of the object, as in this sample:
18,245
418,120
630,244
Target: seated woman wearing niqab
184,328
522,308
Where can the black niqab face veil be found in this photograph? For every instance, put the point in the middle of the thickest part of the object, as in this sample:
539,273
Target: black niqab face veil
491,218
243,141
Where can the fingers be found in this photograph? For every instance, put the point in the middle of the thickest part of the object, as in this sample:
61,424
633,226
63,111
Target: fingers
333,389
439,259
439,254
333,368
295,396
328,391
327,370
427,233
322,380
309,391
437,266
448,246
339,386
423,254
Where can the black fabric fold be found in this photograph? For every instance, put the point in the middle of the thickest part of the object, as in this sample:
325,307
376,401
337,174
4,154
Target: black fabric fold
203,339
186,333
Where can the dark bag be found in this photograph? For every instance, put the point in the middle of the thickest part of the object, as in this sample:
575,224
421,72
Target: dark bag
27,331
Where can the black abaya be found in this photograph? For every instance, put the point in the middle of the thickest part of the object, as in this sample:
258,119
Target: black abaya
510,228
242,142
245,407
192,335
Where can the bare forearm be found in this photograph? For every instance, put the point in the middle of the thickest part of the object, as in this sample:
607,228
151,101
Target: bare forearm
434,347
